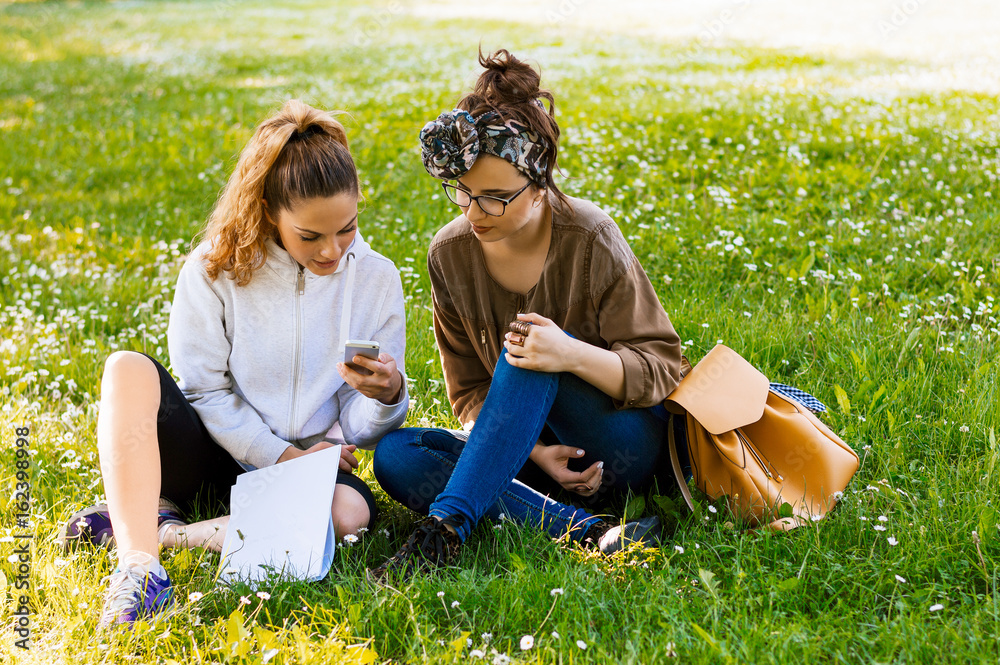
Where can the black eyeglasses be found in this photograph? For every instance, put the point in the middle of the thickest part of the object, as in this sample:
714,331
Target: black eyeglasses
491,205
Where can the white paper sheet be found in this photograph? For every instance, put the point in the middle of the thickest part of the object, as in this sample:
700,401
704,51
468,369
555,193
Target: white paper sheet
280,526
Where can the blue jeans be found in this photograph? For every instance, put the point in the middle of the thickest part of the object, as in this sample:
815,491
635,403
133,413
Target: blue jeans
443,472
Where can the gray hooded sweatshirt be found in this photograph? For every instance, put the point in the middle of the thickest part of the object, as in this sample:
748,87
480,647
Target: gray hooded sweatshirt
258,362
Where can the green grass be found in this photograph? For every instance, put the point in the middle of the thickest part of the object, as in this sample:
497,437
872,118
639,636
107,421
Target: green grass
853,243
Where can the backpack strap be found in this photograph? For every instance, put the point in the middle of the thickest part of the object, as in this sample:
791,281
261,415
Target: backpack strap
675,462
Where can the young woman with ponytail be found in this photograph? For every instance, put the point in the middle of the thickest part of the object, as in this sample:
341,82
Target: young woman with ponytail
262,310
552,341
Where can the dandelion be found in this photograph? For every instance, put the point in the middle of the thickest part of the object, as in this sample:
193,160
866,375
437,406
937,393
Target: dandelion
937,608
892,541
350,539
901,580
556,592
263,595
527,642
680,550
244,600
455,604
581,644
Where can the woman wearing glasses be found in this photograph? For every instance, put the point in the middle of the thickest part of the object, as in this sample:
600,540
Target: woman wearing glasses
552,341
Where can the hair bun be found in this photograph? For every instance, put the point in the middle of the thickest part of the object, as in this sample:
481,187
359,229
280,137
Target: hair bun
507,80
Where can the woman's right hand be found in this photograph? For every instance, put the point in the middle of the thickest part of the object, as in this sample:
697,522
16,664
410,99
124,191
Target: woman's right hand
554,460
348,462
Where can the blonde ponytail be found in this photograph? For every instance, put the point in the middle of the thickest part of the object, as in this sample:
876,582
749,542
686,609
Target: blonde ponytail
297,154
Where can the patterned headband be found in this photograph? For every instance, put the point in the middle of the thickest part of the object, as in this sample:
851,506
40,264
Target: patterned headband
450,145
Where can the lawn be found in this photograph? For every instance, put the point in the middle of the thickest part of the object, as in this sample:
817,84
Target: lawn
838,231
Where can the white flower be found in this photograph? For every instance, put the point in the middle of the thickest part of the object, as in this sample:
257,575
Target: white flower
712,509
879,527
486,637
838,495
350,539
477,653
362,529
440,594
501,659
244,600
680,550
901,580
893,541
263,595
555,635
883,518
195,596
863,518
937,608
963,428
527,642
581,644
455,604
556,592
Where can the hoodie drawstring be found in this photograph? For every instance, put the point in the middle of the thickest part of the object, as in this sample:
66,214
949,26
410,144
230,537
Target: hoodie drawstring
345,316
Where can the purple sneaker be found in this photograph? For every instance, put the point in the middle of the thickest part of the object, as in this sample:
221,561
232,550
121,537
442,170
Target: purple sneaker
133,595
93,525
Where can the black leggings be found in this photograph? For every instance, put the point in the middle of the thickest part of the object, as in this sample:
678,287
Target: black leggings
196,473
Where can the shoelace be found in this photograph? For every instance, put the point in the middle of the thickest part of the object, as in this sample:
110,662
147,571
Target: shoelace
124,591
430,540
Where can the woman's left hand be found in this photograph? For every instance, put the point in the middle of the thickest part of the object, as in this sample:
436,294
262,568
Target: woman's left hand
546,348
384,383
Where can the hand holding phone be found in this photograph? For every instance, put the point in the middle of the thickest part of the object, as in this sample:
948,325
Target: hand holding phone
384,384
365,348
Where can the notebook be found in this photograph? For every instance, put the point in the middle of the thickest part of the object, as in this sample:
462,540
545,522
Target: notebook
280,526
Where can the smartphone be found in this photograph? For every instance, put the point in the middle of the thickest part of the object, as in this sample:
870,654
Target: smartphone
360,347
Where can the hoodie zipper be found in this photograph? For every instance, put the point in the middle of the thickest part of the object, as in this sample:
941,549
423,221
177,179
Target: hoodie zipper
300,290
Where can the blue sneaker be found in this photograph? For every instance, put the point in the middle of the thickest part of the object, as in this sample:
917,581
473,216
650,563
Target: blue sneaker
93,525
133,595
